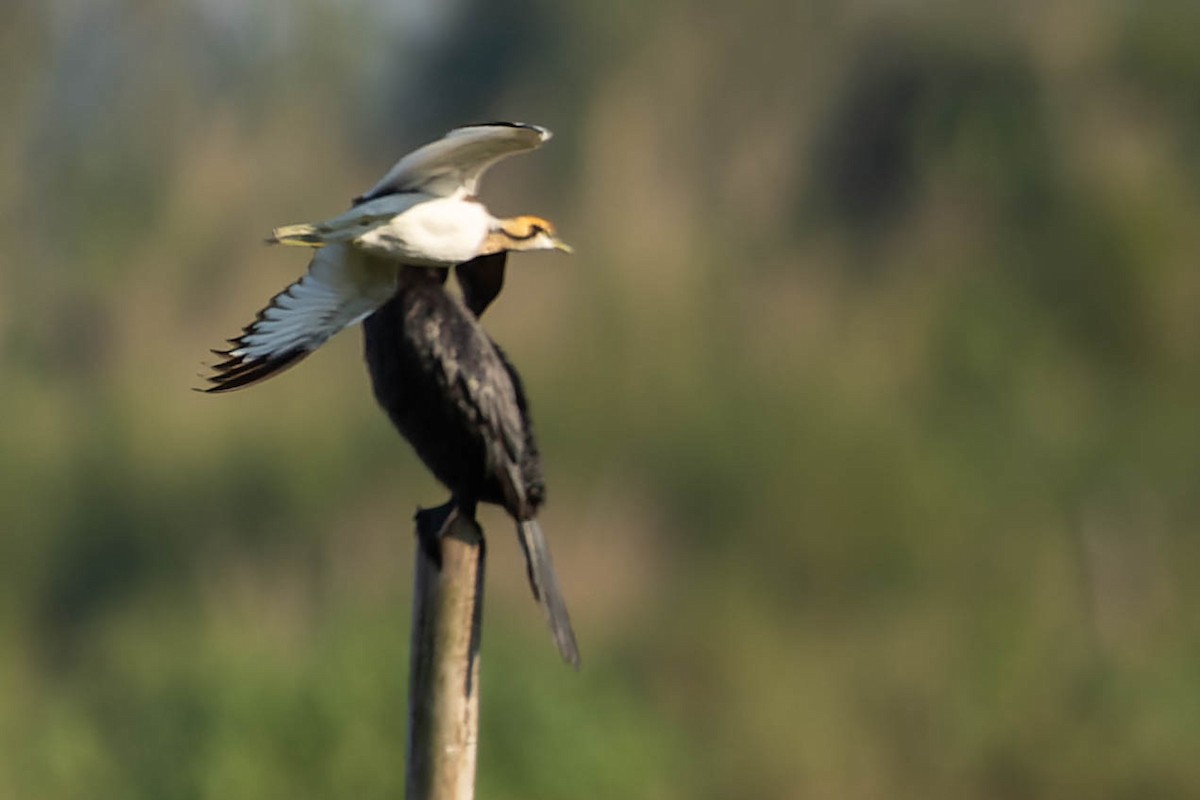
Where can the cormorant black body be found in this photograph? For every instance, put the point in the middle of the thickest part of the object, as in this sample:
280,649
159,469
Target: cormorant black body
452,393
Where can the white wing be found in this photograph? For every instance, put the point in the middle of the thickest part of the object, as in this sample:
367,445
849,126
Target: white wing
453,164
342,287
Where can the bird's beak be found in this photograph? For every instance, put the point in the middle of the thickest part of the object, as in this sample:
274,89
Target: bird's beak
559,244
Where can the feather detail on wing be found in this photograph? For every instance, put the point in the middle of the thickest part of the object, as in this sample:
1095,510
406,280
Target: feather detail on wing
346,226
342,287
454,164
478,378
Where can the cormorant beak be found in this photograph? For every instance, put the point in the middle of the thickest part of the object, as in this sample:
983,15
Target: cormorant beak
559,244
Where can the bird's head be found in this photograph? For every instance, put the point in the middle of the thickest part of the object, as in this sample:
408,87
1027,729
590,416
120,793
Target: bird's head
524,233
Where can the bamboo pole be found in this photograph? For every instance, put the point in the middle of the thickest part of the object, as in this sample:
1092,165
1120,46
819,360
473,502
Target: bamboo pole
443,690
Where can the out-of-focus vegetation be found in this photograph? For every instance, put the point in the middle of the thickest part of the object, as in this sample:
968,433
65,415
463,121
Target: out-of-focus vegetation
869,401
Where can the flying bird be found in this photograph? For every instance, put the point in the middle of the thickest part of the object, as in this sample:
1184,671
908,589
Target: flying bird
444,383
424,212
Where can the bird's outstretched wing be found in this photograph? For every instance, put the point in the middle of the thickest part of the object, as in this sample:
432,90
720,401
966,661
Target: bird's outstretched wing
342,287
454,164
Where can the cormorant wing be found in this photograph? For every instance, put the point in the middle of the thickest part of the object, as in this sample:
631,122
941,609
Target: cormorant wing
454,164
342,286
485,389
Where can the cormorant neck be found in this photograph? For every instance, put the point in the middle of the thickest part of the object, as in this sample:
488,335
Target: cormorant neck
414,276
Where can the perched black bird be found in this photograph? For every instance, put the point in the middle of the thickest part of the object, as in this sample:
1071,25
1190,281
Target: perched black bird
450,391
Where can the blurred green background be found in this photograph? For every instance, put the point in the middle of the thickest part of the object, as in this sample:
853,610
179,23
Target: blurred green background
868,402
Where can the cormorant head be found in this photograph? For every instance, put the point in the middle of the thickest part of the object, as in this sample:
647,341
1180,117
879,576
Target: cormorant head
524,233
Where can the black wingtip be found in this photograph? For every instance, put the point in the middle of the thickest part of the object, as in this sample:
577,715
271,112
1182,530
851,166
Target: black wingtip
543,133
502,123
239,372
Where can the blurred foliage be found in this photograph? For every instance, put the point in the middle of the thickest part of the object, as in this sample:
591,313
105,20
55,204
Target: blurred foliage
869,400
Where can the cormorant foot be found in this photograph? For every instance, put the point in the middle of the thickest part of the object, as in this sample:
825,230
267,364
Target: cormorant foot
432,524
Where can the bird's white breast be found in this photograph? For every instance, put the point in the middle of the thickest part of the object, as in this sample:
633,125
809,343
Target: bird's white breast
435,232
